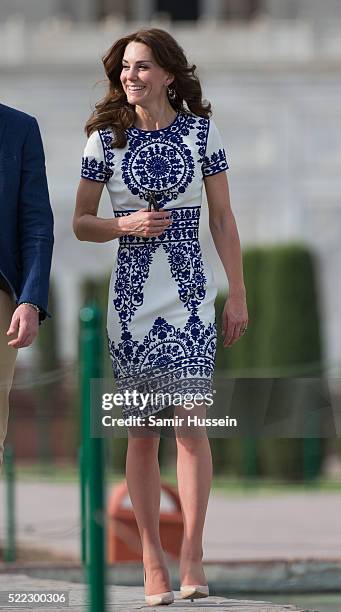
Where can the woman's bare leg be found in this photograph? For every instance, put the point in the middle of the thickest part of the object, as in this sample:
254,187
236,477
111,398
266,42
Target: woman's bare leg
143,480
194,473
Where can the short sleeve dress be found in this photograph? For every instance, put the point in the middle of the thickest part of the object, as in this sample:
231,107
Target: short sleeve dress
161,317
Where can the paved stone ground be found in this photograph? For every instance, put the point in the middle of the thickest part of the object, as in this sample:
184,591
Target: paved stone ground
238,527
244,530
125,598
296,578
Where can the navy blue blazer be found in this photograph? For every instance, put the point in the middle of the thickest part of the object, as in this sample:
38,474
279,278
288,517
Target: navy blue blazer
26,219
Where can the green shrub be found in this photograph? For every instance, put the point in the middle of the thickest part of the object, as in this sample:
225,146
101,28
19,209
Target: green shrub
283,339
288,344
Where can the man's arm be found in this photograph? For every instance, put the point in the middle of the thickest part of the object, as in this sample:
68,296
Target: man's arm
35,232
35,223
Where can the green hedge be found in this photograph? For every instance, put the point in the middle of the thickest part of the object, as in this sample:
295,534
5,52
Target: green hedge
288,332
283,339
292,343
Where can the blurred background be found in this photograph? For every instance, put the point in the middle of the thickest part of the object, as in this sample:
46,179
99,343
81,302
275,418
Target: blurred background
271,69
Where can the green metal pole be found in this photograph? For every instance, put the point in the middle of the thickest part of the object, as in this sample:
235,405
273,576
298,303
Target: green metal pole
83,489
87,333
92,460
84,378
97,527
10,547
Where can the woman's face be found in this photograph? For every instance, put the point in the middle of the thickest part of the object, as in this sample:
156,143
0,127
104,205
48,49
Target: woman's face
144,82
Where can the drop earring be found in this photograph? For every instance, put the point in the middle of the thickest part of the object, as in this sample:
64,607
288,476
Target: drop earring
171,93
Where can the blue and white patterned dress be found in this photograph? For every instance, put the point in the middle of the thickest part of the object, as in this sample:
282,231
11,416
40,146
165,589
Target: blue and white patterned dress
161,317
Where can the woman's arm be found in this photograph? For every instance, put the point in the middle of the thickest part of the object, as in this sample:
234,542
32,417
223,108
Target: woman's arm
226,239
87,226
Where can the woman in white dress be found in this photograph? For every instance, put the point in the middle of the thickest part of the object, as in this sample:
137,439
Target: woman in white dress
151,141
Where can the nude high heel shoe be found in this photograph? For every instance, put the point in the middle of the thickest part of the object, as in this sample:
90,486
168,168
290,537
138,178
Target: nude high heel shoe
159,599
194,591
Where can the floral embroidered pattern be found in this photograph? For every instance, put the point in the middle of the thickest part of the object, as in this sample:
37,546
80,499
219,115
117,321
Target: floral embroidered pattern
168,360
106,137
202,135
185,260
215,163
99,169
132,271
94,170
187,269
157,166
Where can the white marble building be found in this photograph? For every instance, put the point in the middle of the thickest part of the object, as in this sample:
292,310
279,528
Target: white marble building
136,10
276,93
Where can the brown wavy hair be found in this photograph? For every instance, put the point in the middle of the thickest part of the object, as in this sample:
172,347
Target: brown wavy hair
115,112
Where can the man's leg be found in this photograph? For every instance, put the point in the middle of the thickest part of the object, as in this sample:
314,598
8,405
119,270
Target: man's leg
7,360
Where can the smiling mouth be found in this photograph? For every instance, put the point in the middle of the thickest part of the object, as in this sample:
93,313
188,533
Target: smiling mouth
133,89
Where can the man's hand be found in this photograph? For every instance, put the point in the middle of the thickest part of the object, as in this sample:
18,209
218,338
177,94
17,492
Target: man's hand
25,323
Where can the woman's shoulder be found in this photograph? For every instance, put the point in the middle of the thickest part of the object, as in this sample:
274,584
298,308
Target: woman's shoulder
103,137
196,123
189,115
98,133
99,145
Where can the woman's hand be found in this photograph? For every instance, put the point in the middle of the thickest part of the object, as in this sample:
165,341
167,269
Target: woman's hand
146,223
234,319
88,226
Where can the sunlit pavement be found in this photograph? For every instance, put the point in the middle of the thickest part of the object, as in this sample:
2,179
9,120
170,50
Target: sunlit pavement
238,527
126,598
